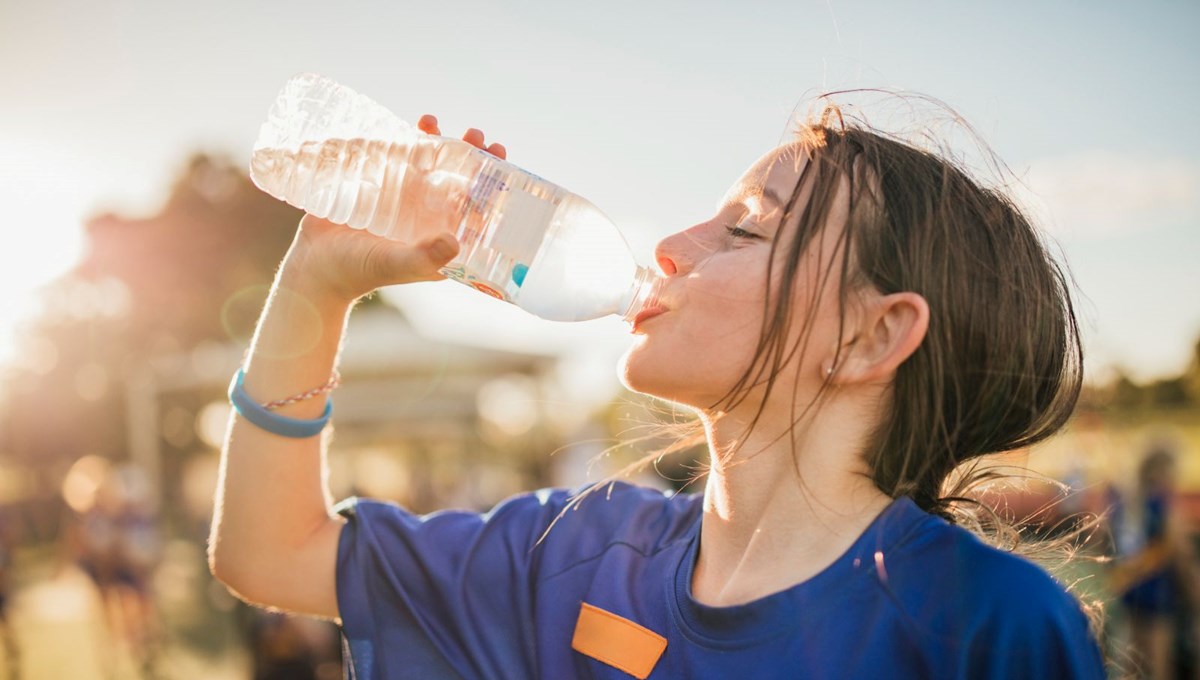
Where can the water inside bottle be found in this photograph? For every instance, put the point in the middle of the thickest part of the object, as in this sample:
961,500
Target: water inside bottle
524,240
583,268
367,184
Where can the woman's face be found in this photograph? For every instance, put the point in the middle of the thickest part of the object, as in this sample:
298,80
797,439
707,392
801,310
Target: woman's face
715,290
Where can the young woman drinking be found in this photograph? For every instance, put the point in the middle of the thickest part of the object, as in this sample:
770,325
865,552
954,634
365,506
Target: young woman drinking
857,321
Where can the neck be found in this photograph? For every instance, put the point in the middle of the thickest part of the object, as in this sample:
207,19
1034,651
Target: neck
780,506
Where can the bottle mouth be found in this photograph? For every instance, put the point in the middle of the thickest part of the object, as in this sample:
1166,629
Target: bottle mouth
643,294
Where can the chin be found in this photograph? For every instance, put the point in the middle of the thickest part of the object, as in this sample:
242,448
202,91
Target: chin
629,370
642,374
668,380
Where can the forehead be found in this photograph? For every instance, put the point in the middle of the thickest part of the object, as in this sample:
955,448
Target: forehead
775,175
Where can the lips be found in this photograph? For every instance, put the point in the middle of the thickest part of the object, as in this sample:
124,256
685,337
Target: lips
645,315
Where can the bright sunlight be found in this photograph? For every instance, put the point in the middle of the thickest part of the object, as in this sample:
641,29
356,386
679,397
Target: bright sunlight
44,208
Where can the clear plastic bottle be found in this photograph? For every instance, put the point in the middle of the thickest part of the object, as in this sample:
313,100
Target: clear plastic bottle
341,156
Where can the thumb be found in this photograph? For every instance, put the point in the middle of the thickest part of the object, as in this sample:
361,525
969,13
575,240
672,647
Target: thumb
421,262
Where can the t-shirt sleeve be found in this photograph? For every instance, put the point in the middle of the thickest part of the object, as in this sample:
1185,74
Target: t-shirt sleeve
442,595
985,613
1039,631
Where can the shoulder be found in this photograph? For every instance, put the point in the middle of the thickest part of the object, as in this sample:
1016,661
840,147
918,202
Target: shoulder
586,518
992,604
991,583
646,519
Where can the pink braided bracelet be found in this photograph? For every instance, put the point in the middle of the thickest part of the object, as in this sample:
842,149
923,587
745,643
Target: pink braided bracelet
327,387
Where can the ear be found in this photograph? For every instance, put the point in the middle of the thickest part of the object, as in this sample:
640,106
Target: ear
890,329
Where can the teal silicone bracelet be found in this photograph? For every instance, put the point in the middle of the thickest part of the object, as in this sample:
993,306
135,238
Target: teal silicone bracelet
274,423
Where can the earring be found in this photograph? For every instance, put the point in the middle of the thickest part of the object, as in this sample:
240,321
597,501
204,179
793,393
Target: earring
829,371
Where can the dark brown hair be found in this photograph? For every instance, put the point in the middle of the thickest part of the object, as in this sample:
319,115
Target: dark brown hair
1001,366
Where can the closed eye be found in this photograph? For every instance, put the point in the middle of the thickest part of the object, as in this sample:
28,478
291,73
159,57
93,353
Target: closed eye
738,232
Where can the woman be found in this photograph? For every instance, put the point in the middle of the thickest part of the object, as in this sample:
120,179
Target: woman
857,320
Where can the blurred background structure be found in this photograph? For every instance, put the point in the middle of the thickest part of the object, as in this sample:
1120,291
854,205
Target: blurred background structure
139,255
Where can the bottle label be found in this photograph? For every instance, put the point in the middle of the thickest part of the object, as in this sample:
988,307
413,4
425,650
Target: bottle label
516,217
509,212
521,226
488,290
463,275
486,185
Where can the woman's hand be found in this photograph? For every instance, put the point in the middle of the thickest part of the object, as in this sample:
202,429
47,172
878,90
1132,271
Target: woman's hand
342,264
428,124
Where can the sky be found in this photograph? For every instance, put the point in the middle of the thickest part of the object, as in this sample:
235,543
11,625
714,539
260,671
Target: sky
650,110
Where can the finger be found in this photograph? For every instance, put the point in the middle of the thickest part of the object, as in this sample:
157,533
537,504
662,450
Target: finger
312,223
474,137
441,248
430,255
394,262
437,252
498,150
429,125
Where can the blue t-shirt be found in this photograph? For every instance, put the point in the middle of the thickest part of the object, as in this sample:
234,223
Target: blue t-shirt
1155,592
466,595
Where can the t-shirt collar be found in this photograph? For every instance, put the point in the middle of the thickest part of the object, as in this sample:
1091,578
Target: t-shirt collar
779,613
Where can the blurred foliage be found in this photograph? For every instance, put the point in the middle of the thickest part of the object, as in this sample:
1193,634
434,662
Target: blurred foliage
1124,396
216,235
196,272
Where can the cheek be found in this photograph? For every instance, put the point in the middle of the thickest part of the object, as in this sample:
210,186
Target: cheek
697,353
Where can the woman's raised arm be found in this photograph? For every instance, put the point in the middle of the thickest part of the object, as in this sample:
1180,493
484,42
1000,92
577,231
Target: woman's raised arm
274,538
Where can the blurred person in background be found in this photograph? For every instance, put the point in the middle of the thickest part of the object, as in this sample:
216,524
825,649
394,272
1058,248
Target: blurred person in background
1157,574
115,539
288,647
8,543
858,320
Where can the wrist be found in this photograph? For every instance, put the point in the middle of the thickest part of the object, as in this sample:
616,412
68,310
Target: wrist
301,325
299,275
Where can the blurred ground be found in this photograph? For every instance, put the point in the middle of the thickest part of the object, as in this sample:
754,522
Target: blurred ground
57,618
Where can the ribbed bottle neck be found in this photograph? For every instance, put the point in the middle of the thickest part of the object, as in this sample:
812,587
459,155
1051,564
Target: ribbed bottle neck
643,293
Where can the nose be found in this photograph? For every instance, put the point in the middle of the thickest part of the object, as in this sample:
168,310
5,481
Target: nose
676,254
665,263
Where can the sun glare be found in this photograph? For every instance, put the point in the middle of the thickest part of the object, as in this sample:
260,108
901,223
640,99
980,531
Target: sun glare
44,206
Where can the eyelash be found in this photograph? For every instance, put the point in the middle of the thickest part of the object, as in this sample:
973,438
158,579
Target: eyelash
738,232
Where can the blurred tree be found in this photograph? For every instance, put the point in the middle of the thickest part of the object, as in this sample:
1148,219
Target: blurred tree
196,272
1169,393
216,235
1191,375
1126,395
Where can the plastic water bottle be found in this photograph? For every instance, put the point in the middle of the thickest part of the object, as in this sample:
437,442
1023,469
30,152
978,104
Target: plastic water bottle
341,156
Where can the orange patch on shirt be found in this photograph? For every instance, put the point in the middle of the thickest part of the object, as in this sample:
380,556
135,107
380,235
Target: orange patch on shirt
617,641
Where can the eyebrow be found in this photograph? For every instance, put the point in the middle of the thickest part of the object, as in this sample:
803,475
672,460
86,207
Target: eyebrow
770,193
761,192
